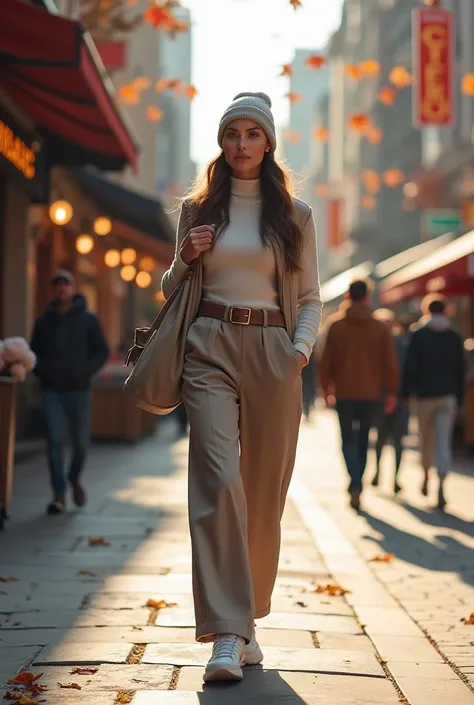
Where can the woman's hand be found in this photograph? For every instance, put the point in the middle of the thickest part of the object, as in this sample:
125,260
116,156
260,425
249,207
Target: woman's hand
197,240
302,361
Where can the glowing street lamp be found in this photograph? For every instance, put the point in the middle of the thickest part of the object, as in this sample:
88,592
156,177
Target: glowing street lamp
143,280
84,244
128,273
102,226
129,255
112,258
60,212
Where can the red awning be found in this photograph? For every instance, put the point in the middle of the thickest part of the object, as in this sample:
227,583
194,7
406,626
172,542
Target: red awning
50,66
449,270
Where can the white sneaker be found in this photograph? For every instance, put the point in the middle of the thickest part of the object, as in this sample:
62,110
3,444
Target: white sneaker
227,659
252,653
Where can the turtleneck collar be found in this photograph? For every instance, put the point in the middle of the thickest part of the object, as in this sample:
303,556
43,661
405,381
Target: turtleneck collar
249,188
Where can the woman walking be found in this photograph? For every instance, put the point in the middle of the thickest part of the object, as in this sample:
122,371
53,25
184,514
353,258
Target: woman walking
256,326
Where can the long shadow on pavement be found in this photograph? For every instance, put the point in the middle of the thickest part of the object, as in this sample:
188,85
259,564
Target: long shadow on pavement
259,685
446,554
62,585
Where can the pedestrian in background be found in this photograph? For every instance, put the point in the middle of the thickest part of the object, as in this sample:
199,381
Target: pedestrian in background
309,378
434,376
70,347
358,368
253,335
393,427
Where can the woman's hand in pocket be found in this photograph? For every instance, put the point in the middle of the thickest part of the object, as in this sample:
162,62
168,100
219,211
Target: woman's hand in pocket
197,240
302,361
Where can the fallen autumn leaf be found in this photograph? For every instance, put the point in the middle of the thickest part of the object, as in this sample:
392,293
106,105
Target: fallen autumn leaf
84,671
73,686
98,541
89,573
159,604
332,590
383,558
469,620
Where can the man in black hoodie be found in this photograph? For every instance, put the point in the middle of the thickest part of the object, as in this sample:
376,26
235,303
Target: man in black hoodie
434,375
70,346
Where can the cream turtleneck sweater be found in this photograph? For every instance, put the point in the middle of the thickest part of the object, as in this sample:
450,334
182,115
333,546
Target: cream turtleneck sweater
240,271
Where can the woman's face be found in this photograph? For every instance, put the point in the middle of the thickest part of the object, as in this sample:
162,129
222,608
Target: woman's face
244,145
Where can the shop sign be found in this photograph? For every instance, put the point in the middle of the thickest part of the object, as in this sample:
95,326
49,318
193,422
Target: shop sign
439,221
21,156
434,40
334,222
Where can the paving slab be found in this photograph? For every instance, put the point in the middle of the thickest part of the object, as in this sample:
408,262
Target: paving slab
128,635
111,677
12,660
387,620
274,688
430,671
308,603
310,622
420,691
77,618
83,654
283,659
352,642
75,697
173,583
406,648
286,637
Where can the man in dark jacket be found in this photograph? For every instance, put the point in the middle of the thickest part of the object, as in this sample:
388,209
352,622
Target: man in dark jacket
359,368
434,376
70,347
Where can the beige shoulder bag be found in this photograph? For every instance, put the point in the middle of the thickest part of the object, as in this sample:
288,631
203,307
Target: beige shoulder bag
157,356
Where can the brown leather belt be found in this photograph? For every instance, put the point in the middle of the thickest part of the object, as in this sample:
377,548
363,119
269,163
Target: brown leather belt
242,315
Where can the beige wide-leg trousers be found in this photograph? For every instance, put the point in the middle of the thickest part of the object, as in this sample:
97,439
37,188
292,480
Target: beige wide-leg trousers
242,393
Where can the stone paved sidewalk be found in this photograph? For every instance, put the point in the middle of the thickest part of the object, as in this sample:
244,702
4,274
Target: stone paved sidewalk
416,622
76,605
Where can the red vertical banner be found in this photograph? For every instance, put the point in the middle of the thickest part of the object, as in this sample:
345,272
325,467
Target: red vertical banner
334,222
434,41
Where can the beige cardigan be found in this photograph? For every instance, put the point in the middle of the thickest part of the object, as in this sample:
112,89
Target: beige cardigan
289,285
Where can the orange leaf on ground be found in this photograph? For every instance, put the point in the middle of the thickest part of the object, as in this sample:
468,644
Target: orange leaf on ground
20,698
332,590
296,3
315,61
286,70
84,671
469,620
294,97
98,541
89,573
70,686
159,604
25,678
383,558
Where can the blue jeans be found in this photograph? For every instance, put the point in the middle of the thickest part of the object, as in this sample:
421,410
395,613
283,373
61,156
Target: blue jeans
60,410
356,419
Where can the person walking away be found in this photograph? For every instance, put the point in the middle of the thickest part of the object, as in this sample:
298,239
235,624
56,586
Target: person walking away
309,376
393,426
254,332
434,376
358,368
70,346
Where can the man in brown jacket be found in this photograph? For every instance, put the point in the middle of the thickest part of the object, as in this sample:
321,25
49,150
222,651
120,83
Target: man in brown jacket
359,368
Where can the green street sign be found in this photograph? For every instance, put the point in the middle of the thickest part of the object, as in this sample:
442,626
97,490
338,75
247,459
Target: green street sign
441,220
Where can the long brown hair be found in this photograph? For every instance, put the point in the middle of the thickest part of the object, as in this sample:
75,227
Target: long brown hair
210,199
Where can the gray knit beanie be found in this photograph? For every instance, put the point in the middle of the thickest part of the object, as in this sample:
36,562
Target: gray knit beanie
250,106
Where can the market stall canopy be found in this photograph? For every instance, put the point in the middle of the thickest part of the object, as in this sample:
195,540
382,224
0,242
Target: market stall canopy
450,270
122,204
413,254
52,69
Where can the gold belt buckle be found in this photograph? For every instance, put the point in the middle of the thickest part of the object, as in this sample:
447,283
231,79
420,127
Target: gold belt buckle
247,312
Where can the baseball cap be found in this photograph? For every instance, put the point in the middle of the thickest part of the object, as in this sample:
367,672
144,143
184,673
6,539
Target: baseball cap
63,276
